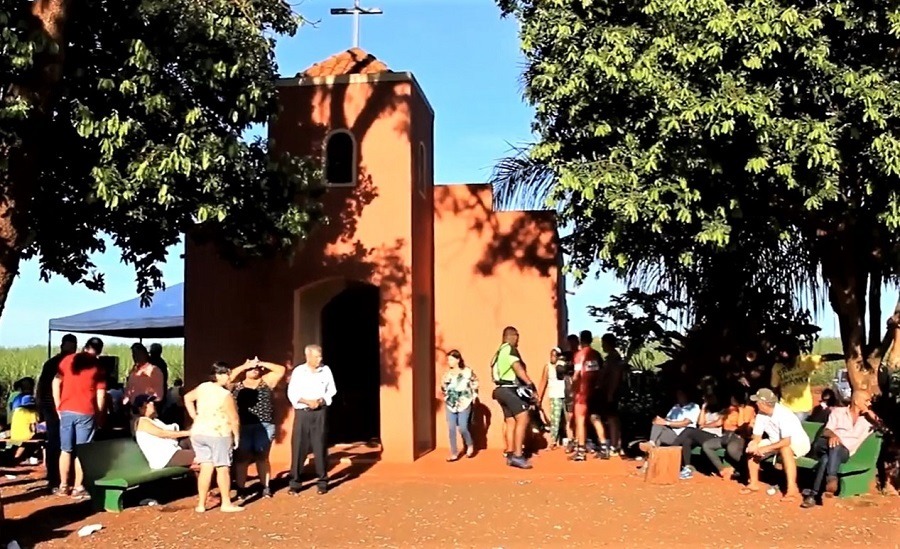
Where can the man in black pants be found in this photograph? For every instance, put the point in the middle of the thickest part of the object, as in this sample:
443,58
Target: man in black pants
512,384
310,392
47,408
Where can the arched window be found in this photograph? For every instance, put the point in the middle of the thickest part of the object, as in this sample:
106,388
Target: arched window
340,159
422,170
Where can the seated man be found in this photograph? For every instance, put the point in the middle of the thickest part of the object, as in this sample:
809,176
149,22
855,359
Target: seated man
158,441
664,431
786,438
844,433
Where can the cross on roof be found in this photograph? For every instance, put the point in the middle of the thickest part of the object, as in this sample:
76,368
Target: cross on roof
356,11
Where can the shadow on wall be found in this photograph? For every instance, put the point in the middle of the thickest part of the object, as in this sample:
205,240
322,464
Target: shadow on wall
523,243
383,266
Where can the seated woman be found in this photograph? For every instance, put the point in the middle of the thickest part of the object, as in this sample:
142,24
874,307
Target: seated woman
709,426
737,428
159,441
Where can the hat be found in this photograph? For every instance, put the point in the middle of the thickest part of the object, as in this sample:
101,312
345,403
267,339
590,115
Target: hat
141,400
27,400
766,396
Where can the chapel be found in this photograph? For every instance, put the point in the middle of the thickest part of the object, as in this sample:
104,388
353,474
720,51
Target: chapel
404,270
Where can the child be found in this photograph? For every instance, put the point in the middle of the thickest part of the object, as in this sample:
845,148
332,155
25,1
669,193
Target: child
24,424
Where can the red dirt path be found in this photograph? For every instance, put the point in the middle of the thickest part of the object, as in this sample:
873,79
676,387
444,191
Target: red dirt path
474,503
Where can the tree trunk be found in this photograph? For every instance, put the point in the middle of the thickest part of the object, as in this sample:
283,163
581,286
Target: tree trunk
875,321
847,293
10,249
21,175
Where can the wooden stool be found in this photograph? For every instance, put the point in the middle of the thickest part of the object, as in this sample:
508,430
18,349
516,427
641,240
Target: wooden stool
663,465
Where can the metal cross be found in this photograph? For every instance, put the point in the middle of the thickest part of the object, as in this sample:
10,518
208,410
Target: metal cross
356,11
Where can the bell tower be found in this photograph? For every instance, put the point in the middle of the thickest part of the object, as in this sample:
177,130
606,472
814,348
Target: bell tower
372,128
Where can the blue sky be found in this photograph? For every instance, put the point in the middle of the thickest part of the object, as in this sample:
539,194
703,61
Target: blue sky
468,62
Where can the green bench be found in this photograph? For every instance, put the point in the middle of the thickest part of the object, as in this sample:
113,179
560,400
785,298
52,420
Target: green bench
854,477
112,467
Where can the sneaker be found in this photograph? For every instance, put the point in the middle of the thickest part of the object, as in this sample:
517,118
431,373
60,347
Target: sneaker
266,492
518,462
686,473
809,501
602,453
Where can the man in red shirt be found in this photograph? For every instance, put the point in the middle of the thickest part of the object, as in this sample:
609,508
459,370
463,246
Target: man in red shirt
587,368
79,392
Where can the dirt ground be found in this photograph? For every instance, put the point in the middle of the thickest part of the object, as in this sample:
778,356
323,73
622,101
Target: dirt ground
471,503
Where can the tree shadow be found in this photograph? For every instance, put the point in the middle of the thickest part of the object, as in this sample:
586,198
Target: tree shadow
525,239
47,523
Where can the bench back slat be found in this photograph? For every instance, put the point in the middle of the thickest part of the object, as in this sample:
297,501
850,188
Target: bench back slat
101,457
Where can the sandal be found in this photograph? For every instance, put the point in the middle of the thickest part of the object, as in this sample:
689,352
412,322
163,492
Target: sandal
79,493
451,459
62,490
747,491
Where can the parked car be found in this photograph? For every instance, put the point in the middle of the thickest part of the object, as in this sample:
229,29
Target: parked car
841,385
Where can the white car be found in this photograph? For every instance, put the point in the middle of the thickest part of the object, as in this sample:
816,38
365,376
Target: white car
841,385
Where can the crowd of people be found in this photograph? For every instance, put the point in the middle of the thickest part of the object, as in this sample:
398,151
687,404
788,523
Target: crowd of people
232,415
750,420
232,418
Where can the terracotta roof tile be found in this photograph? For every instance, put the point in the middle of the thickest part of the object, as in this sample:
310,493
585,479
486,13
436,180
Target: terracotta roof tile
352,61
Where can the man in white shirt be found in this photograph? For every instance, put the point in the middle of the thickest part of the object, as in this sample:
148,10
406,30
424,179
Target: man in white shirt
310,391
785,437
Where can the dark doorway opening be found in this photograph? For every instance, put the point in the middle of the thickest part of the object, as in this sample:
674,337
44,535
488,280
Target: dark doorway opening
351,348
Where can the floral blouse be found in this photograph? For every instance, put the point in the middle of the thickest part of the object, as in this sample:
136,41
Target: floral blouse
460,388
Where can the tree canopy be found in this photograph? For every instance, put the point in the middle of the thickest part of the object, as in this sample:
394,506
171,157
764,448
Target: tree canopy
127,119
732,144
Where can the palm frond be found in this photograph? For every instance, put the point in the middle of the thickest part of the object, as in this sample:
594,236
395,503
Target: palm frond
521,183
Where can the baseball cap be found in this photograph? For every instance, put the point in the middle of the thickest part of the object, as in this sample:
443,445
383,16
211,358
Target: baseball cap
141,400
766,396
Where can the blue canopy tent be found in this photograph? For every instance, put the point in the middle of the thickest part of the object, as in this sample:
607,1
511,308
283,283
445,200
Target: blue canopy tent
164,318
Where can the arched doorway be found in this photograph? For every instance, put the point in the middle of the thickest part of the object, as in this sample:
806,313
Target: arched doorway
349,324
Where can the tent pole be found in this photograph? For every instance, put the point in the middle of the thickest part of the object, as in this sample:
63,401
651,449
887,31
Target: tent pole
49,339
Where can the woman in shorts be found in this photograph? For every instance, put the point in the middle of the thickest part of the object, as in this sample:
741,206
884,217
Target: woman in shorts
215,434
253,383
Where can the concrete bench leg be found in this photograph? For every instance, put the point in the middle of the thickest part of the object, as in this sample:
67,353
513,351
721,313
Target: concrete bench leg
109,498
855,484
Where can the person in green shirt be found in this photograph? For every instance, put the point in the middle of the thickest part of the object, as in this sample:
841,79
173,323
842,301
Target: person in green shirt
508,372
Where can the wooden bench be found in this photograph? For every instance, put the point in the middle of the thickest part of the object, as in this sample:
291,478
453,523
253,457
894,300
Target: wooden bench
112,467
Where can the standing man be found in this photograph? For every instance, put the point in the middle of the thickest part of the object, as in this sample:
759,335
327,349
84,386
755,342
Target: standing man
508,372
613,374
79,392
584,384
310,391
47,408
157,360
790,376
